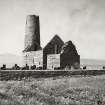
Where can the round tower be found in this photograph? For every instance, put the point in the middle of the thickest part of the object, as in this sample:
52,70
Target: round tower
32,33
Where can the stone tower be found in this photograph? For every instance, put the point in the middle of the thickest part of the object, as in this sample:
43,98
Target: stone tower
32,33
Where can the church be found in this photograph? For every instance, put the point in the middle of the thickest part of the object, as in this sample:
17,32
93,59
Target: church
55,55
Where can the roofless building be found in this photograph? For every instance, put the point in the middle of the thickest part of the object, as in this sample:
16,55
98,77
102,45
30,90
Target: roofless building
56,54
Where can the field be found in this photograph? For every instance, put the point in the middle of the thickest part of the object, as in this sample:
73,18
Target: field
62,90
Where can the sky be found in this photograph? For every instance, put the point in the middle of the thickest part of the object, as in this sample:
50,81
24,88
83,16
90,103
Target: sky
81,21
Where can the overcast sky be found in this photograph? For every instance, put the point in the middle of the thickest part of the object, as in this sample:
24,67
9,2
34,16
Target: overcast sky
82,21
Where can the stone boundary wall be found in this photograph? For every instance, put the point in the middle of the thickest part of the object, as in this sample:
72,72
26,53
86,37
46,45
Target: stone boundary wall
20,74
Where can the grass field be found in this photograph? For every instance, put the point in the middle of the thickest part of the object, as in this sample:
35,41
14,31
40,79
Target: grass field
54,91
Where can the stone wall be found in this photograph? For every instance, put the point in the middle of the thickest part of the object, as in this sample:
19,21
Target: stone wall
53,61
69,56
53,47
33,58
38,58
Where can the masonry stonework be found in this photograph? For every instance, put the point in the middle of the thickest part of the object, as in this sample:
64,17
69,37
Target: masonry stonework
33,58
32,33
56,54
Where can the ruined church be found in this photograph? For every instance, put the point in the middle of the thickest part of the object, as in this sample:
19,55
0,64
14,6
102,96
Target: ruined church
55,55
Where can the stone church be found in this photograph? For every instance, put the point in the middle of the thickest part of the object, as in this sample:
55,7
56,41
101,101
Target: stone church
55,55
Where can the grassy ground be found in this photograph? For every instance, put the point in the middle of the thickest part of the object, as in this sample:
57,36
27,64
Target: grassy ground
54,91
